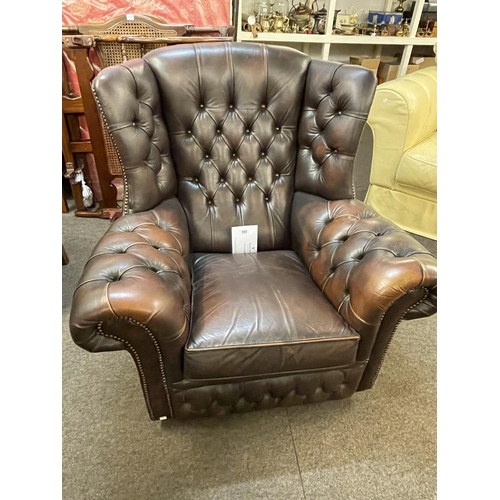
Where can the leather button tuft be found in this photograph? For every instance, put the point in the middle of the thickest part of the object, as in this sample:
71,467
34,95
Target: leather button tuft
209,202
189,132
340,112
250,179
263,153
218,130
222,179
207,156
202,106
196,179
278,128
234,154
237,200
267,198
262,105
247,130
276,175
231,106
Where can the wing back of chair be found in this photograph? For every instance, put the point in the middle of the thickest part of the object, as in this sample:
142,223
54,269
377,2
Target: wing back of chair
336,103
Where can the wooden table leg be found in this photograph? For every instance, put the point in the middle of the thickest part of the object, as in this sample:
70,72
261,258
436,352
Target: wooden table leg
65,259
65,208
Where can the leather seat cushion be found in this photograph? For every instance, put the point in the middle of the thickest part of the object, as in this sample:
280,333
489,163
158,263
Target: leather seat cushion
417,171
261,313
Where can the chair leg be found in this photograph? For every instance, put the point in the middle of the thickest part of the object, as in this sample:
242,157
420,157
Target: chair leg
65,259
65,208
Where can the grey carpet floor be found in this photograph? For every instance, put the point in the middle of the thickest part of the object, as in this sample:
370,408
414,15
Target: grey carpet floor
378,445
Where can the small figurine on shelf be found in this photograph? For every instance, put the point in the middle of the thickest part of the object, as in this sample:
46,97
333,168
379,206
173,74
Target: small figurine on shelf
256,28
406,28
400,6
300,17
264,15
374,31
319,19
349,23
354,16
421,32
250,24
335,14
428,31
280,20
399,32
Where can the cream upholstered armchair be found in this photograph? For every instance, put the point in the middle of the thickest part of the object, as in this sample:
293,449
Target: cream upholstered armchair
403,178
212,136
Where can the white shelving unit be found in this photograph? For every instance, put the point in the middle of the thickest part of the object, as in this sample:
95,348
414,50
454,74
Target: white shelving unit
327,40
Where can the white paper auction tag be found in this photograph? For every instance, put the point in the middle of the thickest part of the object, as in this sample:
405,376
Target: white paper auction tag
129,17
244,239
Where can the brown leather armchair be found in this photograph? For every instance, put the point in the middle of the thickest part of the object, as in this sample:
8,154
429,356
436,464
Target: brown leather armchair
212,136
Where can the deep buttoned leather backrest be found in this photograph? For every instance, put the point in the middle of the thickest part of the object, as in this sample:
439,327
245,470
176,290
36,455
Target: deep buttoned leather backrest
232,130
232,112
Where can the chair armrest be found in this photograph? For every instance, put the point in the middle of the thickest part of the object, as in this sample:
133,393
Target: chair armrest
362,262
403,114
137,273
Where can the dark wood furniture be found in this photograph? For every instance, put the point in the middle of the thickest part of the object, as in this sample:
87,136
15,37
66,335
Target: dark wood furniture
65,258
74,146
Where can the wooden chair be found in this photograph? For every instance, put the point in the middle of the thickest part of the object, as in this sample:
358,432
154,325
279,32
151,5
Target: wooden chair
76,148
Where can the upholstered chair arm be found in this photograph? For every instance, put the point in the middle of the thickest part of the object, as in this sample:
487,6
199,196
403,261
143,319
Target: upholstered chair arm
363,263
403,114
134,294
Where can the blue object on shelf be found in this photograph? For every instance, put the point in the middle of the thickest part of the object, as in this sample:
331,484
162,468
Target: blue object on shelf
392,18
376,16
381,17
